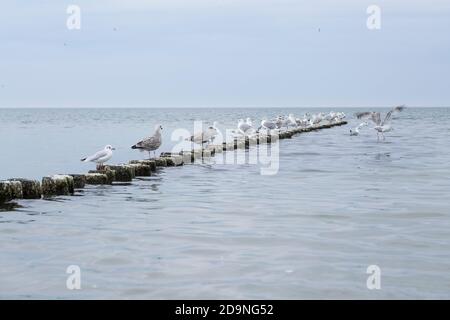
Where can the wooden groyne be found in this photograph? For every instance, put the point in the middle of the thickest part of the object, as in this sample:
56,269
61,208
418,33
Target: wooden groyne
66,184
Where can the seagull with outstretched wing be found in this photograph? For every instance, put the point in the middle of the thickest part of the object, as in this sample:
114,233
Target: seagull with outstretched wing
381,126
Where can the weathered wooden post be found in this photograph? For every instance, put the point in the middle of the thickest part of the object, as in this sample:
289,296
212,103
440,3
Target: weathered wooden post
79,180
97,178
122,172
173,160
141,169
57,185
161,162
10,190
31,189
151,163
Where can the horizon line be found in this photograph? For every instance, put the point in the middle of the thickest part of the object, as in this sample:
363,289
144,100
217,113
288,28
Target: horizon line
213,107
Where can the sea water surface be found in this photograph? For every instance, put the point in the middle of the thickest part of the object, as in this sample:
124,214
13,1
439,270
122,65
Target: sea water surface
337,205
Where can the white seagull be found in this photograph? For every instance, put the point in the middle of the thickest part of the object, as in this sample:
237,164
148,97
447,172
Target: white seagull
151,143
380,126
207,135
101,156
316,118
291,121
355,131
267,125
245,127
282,122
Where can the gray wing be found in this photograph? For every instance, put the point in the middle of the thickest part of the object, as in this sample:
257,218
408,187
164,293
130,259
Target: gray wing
270,125
97,156
399,108
210,134
389,115
244,127
363,115
198,137
374,116
150,143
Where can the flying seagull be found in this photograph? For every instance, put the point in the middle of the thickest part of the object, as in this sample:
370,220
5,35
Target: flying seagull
381,126
150,143
101,156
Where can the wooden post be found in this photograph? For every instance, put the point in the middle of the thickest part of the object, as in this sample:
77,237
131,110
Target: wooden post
96,178
79,180
57,185
10,190
31,189
122,173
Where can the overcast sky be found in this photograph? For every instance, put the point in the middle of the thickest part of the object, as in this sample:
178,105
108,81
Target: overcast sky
224,53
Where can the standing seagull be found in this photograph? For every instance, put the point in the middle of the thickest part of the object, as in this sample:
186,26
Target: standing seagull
355,132
207,135
101,156
291,121
267,125
380,126
151,143
245,127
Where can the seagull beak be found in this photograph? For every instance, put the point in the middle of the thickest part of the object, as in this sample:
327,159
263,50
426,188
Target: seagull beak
113,149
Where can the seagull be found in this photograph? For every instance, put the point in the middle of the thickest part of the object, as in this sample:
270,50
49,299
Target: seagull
305,121
380,126
245,127
340,116
207,135
151,143
267,125
101,156
330,117
316,119
281,122
291,120
301,122
355,131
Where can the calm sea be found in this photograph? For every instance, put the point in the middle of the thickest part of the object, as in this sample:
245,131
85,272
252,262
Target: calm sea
337,205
